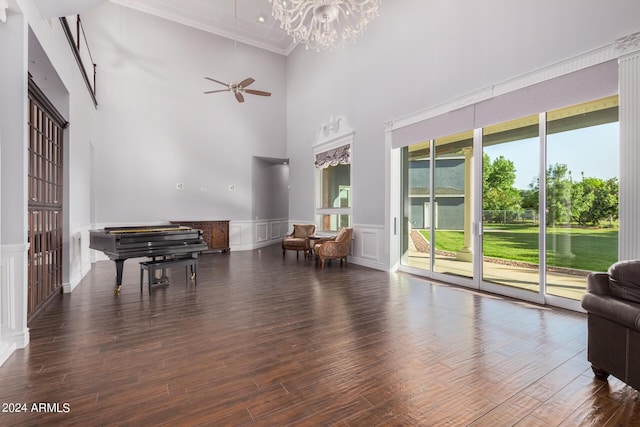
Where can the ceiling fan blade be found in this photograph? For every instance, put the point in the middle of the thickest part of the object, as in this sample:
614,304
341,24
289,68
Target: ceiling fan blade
246,82
217,81
216,91
239,97
257,92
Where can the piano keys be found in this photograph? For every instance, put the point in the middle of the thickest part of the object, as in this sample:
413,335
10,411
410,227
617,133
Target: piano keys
121,243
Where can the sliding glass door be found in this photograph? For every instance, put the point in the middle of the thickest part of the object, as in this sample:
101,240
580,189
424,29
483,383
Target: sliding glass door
453,205
437,205
581,194
510,215
525,208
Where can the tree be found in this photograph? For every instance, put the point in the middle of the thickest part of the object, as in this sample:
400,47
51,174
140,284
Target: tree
498,179
582,197
558,194
600,200
530,197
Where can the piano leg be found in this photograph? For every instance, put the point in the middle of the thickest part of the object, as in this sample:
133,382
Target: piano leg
119,266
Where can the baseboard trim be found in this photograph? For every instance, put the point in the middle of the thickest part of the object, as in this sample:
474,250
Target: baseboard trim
368,263
6,350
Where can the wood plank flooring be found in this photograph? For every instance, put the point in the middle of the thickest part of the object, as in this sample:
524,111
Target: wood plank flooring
268,341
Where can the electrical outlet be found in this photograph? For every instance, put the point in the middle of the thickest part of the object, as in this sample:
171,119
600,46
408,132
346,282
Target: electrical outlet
179,186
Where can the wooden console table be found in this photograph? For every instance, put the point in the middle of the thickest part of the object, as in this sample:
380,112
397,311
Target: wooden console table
214,233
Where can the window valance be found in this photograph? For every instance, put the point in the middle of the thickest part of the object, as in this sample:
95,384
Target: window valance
595,82
335,157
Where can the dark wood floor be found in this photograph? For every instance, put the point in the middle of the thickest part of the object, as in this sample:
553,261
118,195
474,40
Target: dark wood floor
272,342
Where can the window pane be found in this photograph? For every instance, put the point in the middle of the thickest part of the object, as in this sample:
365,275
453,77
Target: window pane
582,194
416,211
510,203
333,222
336,187
451,206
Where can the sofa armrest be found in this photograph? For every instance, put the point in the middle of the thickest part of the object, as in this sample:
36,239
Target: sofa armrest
598,283
623,312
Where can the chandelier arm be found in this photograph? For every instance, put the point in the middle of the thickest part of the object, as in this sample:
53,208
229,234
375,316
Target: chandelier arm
300,18
324,24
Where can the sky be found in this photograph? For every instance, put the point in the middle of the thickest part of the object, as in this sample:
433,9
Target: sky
593,150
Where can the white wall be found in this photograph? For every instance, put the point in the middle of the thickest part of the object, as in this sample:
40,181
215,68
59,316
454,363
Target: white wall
417,55
156,128
13,120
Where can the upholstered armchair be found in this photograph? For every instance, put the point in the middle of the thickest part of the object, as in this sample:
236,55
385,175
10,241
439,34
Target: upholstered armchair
335,247
298,240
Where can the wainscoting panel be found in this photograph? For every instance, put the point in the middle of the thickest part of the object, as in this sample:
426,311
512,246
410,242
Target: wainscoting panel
262,232
279,229
368,246
14,332
79,258
237,233
254,234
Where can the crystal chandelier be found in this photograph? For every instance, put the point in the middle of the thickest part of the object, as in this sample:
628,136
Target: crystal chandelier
324,24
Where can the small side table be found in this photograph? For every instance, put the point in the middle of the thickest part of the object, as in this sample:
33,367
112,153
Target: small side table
311,242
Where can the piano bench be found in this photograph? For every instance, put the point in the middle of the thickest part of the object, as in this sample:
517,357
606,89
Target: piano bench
163,264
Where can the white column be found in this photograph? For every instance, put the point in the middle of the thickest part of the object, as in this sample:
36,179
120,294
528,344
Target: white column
466,253
629,114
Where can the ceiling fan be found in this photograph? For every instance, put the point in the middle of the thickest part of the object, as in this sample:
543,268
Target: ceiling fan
238,88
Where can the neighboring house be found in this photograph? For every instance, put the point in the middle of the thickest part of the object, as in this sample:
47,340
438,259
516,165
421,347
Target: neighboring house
449,193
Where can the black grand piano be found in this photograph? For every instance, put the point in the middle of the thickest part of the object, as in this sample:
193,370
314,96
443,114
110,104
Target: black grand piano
167,241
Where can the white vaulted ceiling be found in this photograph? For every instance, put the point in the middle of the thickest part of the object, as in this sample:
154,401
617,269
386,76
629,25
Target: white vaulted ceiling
217,16
59,8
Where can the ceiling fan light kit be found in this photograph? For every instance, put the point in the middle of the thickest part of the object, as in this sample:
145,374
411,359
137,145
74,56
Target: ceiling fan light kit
324,24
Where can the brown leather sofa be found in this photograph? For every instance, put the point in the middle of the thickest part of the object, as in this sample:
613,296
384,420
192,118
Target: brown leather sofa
612,302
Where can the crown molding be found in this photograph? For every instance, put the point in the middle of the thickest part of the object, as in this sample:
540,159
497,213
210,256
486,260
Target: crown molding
181,19
628,45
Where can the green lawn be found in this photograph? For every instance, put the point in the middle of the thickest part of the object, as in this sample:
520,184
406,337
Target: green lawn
591,249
